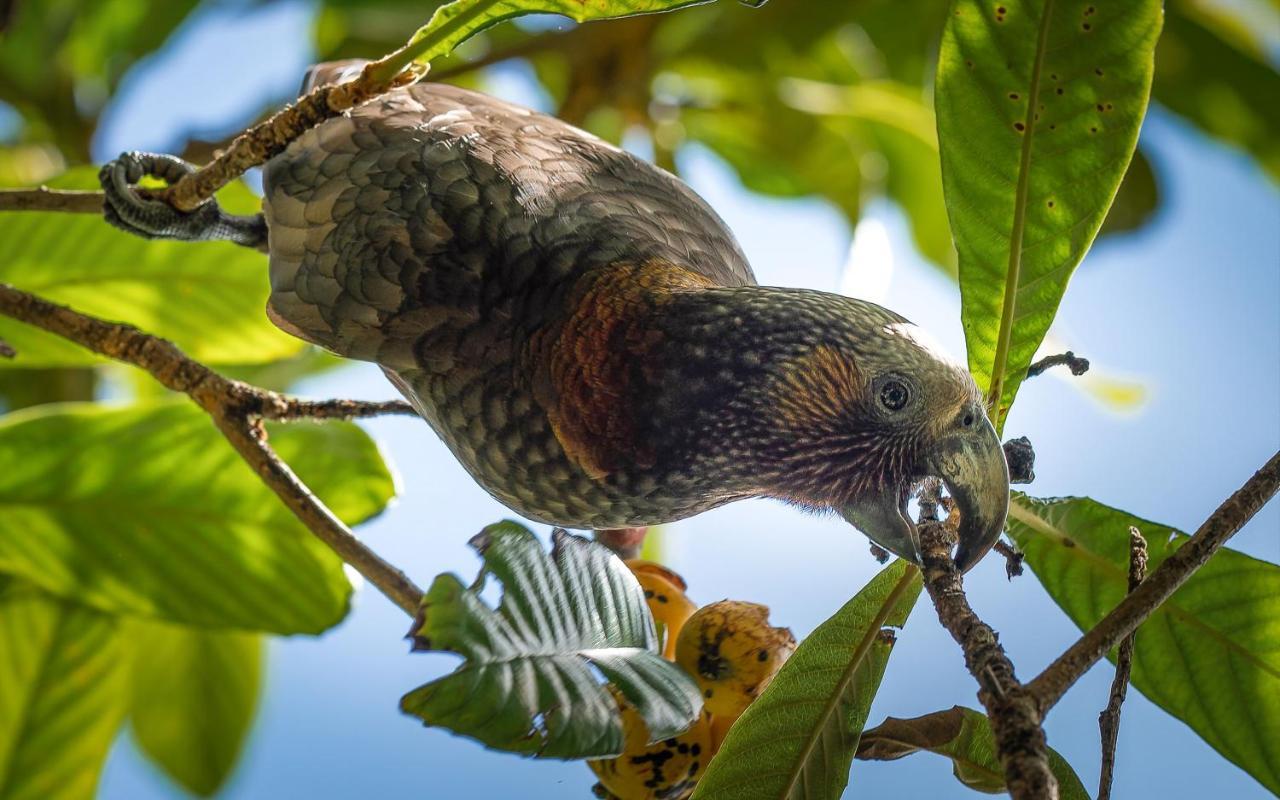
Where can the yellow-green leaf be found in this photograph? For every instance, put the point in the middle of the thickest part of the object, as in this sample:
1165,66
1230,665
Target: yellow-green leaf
1039,103
207,297
797,740
1210,655
63,694
145,510
194,696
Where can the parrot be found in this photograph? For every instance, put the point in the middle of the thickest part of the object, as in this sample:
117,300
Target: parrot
582,330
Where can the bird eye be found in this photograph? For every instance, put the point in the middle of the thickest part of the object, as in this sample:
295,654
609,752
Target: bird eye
894,395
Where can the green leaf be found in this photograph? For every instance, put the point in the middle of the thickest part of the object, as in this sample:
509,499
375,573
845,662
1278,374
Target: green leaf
1219,83
526,685
63,695
195,693
145,510
207,297
1039,104
964,736
1210,655
798,739
456,22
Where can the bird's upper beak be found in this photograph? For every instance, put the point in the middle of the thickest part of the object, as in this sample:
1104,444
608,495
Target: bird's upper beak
970,462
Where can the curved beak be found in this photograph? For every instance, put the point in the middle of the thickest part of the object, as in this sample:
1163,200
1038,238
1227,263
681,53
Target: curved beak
970,462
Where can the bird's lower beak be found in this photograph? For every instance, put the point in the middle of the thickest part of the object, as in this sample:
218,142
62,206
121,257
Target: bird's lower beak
970,462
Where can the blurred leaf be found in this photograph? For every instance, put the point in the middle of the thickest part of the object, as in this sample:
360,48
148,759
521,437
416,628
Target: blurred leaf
964,736
452,24
283,375
61,60
24,165
208,297
1114,393
195,693
1210,655
1136,200
798,739
526,685
145,510
1222,86
63,694
1039,106
900,137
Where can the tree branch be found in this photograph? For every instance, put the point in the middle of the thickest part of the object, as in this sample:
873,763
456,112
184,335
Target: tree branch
1049,686
42,198
291,408
1015,719
236,409
1109,719
270,137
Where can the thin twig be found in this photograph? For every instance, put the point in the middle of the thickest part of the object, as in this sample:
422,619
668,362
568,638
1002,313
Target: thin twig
1049,686
1015,719
293,408
235,408
1070,360
1109,719
42,198
1013,558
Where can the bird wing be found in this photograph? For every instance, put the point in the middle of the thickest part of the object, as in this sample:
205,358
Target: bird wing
435,208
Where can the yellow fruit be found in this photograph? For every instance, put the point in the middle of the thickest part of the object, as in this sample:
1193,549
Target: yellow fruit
719,730
667,601
732,652
640,565
667,770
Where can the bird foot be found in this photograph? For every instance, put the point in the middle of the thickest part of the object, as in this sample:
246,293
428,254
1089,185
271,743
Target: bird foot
150,218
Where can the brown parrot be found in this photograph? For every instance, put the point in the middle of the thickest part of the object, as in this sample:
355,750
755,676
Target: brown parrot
582,330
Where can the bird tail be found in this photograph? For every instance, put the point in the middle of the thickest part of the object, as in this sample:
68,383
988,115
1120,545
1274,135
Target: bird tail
331,72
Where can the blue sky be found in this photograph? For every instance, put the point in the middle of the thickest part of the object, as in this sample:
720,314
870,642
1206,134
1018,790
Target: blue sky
1189,307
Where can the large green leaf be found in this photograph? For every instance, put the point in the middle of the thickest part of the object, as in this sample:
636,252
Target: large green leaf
1210,655
145,510
964,736
194,696
63,694
798,739
1039,104
208,297
526,684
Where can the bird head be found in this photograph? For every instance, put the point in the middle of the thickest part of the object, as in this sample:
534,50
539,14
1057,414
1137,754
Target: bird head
855,407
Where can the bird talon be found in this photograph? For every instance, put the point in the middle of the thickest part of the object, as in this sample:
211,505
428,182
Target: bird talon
133,212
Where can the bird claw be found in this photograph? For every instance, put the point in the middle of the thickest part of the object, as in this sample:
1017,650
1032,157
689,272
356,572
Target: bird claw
134,213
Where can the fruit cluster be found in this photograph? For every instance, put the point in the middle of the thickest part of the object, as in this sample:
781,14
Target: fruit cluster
732,653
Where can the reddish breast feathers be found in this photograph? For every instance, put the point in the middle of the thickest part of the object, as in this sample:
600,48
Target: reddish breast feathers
596,363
